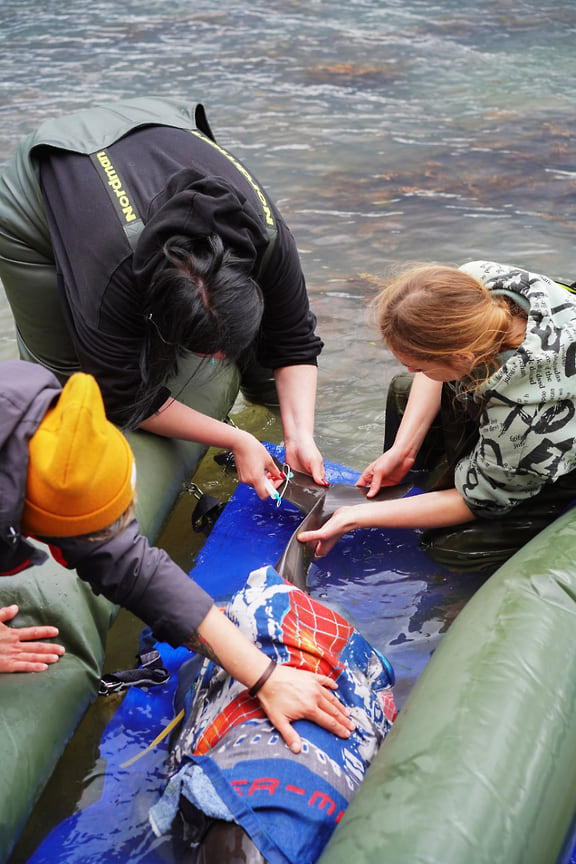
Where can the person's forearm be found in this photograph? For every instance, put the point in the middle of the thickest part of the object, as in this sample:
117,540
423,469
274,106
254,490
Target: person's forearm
221,641
141,578
422,407
296,387
176,420
429,510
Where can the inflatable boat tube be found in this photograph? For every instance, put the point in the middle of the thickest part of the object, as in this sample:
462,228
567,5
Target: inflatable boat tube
481,763
39,712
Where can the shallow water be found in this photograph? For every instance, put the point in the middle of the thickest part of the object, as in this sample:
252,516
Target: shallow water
386,130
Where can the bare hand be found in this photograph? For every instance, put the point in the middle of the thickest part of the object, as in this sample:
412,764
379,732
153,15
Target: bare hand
325,538
388,470
305,457
18,653
254,464
295,694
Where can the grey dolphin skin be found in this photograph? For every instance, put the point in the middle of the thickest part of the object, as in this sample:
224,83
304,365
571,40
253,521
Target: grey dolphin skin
318,503
224,843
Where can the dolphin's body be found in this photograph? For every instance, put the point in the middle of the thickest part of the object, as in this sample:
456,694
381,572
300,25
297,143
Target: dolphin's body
227,842
318,503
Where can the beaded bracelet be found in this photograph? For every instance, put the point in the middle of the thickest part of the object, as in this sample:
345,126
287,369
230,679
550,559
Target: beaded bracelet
263,678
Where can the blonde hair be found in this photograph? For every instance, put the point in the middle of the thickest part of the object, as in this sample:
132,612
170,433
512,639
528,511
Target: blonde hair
435,312
114,529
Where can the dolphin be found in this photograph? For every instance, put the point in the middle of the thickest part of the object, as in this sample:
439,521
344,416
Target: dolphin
318,503
227,841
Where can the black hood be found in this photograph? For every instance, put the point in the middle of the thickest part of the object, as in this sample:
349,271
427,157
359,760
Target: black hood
197,207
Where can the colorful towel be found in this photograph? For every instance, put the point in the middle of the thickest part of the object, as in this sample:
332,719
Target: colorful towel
232,764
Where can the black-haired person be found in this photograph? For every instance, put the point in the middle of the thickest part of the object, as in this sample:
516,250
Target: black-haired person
129,238
67,478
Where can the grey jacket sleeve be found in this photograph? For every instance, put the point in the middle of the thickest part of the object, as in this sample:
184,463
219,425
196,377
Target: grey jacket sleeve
141,578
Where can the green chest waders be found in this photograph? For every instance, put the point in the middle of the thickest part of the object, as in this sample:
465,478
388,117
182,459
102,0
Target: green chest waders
27,267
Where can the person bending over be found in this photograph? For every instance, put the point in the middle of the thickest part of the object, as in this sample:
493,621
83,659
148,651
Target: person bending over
491,349
129,241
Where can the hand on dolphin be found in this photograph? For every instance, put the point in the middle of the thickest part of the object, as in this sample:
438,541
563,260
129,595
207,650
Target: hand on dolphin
307,459
323,539
291,694
389,469
286,694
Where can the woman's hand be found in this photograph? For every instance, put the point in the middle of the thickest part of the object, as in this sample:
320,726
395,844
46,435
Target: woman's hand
254,464
292,694
18,653
303,455
392,466
388,470
323,539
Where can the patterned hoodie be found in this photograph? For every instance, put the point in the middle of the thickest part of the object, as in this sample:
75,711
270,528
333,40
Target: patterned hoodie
527,421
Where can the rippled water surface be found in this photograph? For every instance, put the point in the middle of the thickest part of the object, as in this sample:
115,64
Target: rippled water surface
386,130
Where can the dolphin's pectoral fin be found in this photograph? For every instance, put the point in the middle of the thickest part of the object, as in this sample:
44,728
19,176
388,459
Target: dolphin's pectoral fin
297,557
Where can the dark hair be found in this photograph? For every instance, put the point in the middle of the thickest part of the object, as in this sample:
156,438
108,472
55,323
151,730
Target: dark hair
203,299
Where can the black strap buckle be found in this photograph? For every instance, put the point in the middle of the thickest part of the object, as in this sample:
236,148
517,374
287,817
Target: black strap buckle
151,673
207,510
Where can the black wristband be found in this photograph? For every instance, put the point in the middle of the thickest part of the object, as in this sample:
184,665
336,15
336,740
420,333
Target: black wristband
263,678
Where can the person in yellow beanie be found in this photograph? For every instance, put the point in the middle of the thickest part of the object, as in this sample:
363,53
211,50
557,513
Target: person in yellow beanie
81,471
68,479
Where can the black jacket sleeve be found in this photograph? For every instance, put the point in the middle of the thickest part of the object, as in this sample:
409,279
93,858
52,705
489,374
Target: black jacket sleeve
141,578
287,333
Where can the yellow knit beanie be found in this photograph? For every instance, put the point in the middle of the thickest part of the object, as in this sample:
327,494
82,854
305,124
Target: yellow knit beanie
81,474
